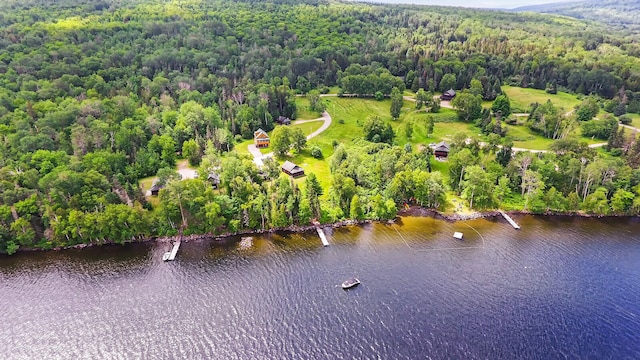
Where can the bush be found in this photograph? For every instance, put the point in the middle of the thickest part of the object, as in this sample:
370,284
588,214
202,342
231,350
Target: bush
624,119
316,152
341,121
239,138
324,90
379,95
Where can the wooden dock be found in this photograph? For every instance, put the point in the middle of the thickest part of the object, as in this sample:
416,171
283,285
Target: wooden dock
174,251
325,242
510,220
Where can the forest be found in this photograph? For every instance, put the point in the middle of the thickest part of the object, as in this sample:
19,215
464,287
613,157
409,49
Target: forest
98,95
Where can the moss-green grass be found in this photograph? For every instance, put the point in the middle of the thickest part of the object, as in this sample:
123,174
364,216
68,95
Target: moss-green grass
521,98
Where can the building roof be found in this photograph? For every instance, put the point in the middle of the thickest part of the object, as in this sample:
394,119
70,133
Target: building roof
260,134
156,186
441,146
449,92
214,177
290,167
283,120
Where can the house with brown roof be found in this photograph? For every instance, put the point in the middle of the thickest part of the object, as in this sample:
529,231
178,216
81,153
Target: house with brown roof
260,138
441,150
292,169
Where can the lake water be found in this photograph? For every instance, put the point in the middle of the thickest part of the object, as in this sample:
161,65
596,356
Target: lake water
560,288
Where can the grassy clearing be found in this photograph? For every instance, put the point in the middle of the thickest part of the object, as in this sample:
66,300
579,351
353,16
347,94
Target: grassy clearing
523,137
521,98
635,120
303,109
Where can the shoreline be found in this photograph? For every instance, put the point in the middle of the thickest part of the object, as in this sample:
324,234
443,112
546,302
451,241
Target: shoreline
413,211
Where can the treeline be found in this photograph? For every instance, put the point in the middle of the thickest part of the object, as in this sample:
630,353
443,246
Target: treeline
97,94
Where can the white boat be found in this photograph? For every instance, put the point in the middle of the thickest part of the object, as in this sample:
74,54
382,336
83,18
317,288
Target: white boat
350,283
166,256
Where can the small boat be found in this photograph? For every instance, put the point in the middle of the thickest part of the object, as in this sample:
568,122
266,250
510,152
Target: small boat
166,256
350,283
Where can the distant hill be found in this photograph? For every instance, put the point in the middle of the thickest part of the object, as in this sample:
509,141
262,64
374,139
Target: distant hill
619,13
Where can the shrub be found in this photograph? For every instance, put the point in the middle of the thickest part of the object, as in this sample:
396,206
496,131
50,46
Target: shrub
379,95
341,121
239,138
316,152
624,119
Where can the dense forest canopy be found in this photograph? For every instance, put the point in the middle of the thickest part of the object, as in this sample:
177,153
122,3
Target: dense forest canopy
97,94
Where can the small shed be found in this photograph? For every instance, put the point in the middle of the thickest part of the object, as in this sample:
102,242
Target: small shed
457,235
155,189
292,169
260,138
214,179
283,120
448,95
441,149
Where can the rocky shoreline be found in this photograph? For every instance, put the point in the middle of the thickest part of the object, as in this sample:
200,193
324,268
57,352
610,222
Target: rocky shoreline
411,211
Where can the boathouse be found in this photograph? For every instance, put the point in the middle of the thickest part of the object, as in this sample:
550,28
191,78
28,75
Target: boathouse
441,150
260,138
292,169
448,95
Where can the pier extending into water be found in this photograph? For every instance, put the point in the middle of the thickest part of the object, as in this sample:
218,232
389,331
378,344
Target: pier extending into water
510,220
174,251
325,242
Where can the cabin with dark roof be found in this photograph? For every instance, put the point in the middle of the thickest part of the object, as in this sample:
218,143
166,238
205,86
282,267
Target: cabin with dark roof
292,169
283,120
448,95
214,179
155,189
260,138
441,150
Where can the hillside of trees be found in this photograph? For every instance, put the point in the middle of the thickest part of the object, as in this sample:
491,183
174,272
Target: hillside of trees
98,94
623,14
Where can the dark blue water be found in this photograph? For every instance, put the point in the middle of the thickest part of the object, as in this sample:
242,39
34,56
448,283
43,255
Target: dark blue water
560,288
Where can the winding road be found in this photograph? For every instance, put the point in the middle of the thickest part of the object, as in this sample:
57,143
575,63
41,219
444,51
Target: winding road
258,157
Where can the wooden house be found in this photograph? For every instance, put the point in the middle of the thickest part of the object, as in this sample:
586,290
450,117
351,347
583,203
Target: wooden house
292,169
448,95
260,138
441,149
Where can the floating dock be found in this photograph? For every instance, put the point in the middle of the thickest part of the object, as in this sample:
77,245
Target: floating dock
457,235
322,237
174,251
510,220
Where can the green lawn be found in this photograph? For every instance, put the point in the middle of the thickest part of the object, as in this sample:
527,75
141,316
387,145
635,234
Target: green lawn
635,120
521,98
303,111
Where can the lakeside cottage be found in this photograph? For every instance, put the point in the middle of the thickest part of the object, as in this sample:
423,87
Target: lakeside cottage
448,95
292,169
441,150
260,138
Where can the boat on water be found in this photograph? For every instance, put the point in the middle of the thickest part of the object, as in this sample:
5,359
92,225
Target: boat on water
350,283
166,256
